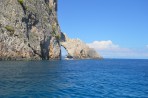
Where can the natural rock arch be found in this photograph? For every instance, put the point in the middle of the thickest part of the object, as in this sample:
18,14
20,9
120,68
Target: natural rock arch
77,49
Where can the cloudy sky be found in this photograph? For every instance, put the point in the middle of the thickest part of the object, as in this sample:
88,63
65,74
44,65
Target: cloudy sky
115,28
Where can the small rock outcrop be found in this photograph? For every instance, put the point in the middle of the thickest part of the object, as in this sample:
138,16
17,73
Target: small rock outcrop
77,49
29,30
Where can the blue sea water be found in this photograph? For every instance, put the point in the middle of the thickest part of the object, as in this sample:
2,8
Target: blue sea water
108,78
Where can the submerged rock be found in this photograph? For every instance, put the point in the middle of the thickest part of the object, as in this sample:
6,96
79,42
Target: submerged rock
28,30
77,49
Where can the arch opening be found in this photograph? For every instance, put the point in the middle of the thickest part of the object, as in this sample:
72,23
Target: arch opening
64,53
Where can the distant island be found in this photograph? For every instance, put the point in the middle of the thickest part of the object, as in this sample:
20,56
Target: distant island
29,30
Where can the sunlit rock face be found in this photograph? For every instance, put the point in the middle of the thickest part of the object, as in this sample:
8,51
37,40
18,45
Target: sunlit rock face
77,49
29,30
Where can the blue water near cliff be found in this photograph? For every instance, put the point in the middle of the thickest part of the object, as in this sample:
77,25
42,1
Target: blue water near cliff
109,78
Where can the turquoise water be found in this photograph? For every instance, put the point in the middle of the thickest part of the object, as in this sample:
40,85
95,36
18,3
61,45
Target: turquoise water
109,78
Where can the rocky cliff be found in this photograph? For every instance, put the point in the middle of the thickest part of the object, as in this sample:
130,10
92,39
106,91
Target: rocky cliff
77,49
29,30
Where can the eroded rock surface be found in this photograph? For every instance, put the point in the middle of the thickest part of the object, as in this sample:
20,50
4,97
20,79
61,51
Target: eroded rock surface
29,30
77,49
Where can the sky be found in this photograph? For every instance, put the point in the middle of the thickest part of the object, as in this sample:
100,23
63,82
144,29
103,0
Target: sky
115,28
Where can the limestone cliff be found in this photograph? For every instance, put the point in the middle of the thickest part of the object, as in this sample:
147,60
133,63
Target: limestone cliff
29,30
77,49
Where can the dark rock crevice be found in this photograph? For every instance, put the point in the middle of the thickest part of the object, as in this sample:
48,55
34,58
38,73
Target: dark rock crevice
34,51
30,20
21,2
46,1
44,44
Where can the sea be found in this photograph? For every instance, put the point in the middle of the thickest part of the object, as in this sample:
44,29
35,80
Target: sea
107,78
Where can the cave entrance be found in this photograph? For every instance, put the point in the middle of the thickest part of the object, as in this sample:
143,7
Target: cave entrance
64,53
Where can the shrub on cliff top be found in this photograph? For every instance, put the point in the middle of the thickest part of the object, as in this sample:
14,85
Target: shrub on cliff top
10,28
20,1
58,36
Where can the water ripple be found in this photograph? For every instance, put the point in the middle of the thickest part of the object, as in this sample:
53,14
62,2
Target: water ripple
74,79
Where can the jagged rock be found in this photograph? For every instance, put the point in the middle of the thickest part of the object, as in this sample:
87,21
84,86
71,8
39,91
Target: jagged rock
77,49
28,30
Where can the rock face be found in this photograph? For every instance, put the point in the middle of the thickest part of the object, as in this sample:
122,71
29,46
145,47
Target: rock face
29,30
77,49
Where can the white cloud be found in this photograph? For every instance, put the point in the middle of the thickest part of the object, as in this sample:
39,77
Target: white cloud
101,45
106,45
111,50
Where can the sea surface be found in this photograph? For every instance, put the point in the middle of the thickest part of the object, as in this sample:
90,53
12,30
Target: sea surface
108,78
